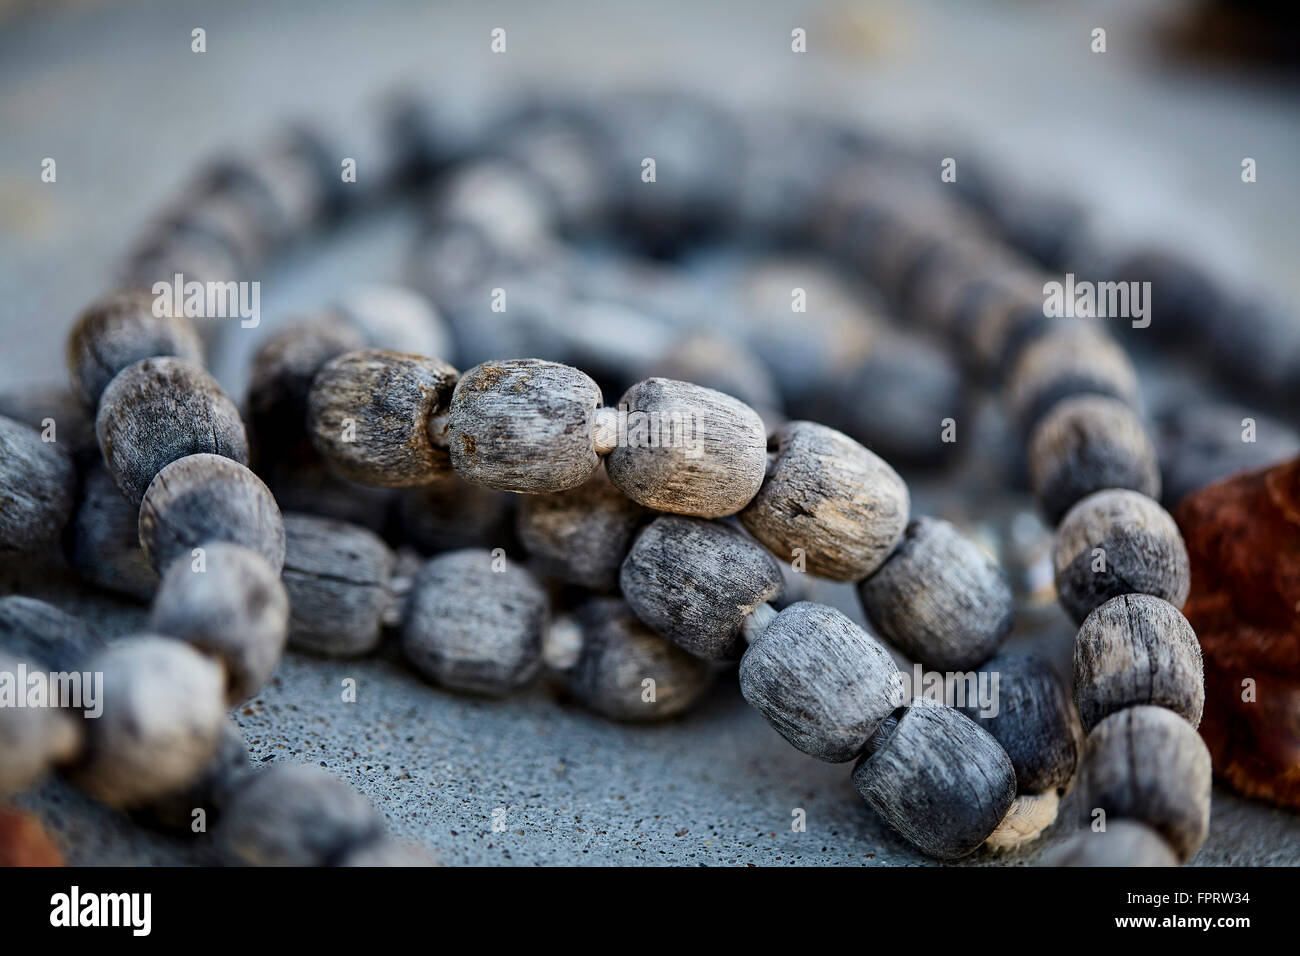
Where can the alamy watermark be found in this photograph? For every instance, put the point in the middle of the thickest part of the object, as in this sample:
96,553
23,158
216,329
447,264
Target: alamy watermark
209,300
1100,300
969,690
66,690
665,428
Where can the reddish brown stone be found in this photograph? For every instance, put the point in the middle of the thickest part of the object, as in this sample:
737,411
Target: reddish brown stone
24,842
1243,540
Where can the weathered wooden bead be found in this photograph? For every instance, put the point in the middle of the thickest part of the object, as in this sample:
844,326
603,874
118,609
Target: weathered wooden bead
159,410
163,712
451,513
686,449
104,546
1122,843
55,411
821,681
235,609
581,536
370,414
1137,649
209,792
939,598
201,499
119,330
396,318
43,635
828,497
295,815
939,779
337,576
1118,542
1088,444
695,581
37,489
473,628
1035,722
32,739
1148,764
1073,361
524,425
619,655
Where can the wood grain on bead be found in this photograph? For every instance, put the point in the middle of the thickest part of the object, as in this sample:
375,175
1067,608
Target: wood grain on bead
825,495
37,489
687,449
524,425
1088,444
1118,542
200,499
370,412
939,598
159,410
1029,816
104,545
694,582
940,780
1137,649
46,636
338,577
1148,764
1066,363
824,683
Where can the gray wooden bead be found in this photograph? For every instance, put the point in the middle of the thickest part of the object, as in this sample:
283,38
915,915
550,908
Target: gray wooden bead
581,536
159,410
686,449
42,406
1118,542
939,598
338,577
724,365
451,513
295,815
104,546
119,330
37,489
472,628
1087,444
235,609
43,635
396,318
1035,722
1148,764
163,712
216,783
389,399
524,425
1137,649
830,498
305,482
618,654
824,683
695,581
31,738
1122,843
201,499
1078,360
939,779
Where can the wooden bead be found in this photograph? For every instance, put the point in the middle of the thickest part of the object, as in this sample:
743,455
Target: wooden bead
1035,722
1118,542
1122,843
828,497
104,546
451,513
524,425
119,330
295,815
163,712
43,635
159,410
581,536
1087,444
695,581
473,628
1137,649
940,599
40,407
235,609
1148,764
725,366
337,576
227,770
1030,814
1069,362
821,681
305,482
32,739
686,449
37,489
370,412
940,780
201,499
396,318
619,654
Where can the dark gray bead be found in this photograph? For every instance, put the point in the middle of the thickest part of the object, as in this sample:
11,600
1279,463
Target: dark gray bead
695,581
226,771
74,426
1137,649
43,635
105,542
1078,360
201,499
452,513
940,780
1118,542
32,739
940,599
473,628
159,410
824,683
306,483
1148,764
37,488
1122,843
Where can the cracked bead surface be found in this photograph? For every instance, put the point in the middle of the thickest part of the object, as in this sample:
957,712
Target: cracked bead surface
37,488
